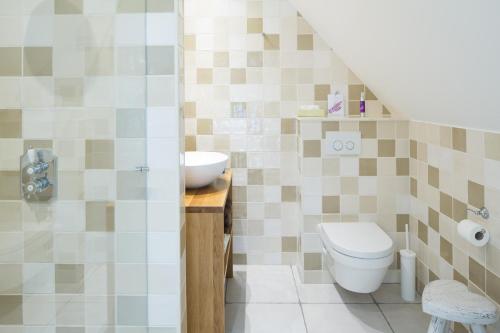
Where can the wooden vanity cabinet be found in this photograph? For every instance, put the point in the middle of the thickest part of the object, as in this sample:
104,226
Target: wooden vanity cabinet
209,251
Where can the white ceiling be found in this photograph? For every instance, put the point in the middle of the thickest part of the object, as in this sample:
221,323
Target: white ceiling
436,61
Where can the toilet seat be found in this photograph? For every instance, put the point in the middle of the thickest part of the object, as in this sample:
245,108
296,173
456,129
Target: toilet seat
358,240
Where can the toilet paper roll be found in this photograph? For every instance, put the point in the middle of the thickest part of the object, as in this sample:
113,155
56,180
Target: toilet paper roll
473,232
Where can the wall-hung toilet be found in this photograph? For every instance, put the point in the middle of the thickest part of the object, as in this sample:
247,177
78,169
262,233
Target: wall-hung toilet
359,254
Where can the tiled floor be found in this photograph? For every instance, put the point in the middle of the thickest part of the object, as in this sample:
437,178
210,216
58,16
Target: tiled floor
262,299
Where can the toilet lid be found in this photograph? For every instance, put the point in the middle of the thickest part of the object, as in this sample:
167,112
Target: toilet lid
358,239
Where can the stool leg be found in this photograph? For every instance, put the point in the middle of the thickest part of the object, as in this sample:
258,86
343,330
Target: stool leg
478,328
438,325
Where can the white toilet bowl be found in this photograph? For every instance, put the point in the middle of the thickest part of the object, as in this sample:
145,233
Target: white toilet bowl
360,254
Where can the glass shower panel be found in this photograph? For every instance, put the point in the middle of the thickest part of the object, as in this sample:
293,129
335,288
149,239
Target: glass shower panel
73,82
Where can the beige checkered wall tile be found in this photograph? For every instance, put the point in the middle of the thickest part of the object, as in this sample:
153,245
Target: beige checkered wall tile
244,84
350,189
250,79
446,190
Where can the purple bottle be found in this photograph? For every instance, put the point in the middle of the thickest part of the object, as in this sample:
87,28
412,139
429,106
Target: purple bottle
362,108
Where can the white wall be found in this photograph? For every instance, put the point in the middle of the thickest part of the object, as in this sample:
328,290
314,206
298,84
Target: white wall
433,60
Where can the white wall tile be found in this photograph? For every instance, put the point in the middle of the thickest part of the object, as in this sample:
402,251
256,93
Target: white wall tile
11,30
39,30
162,122
163,247
130,29
38,310
163,310
10,92
38,278
100,185
161,29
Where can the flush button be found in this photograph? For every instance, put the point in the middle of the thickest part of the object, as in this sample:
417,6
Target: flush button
338,145
349,145
343,143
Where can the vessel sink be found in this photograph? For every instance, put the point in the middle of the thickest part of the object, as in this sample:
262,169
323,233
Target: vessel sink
202,168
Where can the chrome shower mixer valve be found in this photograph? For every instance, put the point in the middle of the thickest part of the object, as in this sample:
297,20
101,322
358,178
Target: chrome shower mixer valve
38,175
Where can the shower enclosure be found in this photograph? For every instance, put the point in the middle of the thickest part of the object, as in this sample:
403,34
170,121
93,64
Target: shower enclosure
94,83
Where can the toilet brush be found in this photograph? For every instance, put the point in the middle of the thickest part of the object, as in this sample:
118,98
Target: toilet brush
408,261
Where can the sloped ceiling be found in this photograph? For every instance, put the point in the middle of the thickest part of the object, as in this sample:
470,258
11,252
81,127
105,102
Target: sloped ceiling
436,61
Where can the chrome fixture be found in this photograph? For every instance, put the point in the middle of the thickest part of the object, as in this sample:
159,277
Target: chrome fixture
142,169
38,175
483,212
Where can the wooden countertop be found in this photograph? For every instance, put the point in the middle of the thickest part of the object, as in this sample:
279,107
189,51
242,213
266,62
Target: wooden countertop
211,198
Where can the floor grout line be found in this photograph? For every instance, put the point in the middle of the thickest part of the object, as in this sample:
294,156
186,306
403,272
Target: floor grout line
271,303
321,303
300,302
382,313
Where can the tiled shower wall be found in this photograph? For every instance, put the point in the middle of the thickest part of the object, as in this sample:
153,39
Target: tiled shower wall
166,258
452,169
73,78
249,66
371,187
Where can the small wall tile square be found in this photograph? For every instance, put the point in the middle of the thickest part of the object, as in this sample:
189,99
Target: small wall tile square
492,145
131,185
69,278
37,61
38,246
254,25
131,6
99,61
132,310
68,92
305,42
66,7
100,216
11,63
161,60
12,279
11,310
10,185
160,6
271,42
99,154
10,124
130,123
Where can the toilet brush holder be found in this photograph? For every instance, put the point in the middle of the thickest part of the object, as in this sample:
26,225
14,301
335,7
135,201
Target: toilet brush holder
408,261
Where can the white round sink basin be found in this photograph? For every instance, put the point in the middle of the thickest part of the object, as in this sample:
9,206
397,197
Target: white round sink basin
202,168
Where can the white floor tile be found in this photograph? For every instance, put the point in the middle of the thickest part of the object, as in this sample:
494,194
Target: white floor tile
327,293
344,318
390,293
406,318
262,284
264,318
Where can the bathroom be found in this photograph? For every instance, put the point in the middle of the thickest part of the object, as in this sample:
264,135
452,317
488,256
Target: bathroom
102,103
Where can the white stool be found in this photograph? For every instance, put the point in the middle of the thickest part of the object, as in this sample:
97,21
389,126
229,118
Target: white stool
448,300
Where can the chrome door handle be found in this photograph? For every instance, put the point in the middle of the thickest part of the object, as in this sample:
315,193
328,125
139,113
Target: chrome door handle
142,169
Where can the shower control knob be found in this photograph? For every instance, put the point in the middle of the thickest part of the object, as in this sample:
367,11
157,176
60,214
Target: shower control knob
37,168
37,186
349,145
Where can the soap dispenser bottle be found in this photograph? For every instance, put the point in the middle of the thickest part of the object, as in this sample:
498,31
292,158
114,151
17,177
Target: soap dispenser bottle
362,106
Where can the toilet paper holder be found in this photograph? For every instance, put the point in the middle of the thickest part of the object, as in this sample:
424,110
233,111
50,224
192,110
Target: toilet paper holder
483,212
